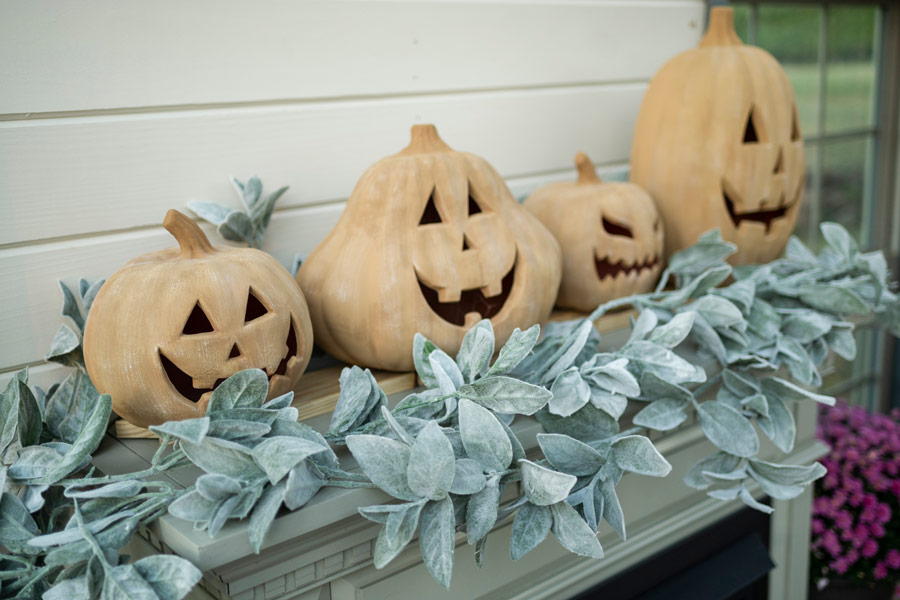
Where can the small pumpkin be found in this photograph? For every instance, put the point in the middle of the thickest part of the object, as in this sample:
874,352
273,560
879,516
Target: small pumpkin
169,326
431,240
610,234
717,144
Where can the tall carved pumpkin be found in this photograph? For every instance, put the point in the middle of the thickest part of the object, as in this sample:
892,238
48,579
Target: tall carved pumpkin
432,241
717,144
169,326
610,234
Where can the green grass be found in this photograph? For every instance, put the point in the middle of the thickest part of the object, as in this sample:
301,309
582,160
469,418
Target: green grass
849,88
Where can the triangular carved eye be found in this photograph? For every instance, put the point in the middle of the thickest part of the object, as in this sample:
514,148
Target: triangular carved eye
750,134
474,207
197,322
430,214
255,308
616,229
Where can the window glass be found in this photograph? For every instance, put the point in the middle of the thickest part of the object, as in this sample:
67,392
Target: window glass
742,18
806,229
850,69
791,34
844,185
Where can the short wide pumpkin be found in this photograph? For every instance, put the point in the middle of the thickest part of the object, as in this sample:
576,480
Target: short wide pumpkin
717,144
610,234
169,326
431,241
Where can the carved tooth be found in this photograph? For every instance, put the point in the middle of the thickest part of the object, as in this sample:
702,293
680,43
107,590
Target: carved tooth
472,318
278,380
449,294
200,384
492,289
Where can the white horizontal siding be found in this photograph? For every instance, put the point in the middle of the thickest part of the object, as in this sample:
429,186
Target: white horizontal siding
29,309
76,176
110,54
113,112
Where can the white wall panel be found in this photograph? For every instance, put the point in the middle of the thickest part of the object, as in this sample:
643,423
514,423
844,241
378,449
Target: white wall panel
29,305
76,176
113,111
108,54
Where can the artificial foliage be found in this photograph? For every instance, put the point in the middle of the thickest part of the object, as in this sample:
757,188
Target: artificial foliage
736,352
247,225
855,524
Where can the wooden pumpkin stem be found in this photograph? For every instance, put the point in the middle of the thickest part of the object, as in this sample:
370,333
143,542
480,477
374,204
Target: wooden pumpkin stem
191,239
721,28
586,171
425,138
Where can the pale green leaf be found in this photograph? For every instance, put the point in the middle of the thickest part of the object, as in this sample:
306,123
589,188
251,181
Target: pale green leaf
543,486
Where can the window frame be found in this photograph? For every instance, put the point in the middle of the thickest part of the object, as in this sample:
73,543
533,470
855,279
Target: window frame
881,192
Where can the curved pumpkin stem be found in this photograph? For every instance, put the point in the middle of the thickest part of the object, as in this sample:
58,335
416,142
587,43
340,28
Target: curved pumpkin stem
720,31
191,239
425,138
586,171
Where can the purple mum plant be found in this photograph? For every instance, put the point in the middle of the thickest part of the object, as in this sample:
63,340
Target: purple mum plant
856,511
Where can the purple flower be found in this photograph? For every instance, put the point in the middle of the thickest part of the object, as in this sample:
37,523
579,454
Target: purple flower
856,512
870,548
841,565
831,543
844,520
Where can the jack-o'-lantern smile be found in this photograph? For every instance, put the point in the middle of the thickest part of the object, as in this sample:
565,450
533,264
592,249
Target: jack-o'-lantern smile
609,268
194,390
482,303
765,217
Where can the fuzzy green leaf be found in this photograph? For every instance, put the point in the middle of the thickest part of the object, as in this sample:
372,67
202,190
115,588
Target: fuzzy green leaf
481,511
637,454
543,486
516,348
431,467
573,533
483,437
385,461
570,392
570,455
727,428
674,332
662,415
244,389
278,455
530,528
475,353
437,529
507,395
468,477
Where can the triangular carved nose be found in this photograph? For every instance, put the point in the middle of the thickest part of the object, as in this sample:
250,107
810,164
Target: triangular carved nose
466,245
779,162
235,352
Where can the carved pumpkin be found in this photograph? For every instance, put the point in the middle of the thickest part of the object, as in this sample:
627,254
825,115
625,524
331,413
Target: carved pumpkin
717,144
432,241
610,234
169,326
